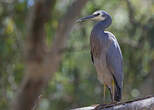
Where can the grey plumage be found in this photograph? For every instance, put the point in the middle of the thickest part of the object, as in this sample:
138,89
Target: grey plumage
106,53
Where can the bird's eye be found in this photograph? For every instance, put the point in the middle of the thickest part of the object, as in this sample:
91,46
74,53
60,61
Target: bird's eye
97,14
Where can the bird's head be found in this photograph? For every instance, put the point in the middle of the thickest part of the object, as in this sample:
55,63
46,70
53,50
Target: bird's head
99,15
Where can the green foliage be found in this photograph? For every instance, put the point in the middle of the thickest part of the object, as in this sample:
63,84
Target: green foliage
75,84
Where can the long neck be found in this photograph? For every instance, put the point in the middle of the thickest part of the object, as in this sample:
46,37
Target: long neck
103,24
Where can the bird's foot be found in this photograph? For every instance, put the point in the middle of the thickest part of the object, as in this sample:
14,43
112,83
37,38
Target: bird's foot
114,102
100,106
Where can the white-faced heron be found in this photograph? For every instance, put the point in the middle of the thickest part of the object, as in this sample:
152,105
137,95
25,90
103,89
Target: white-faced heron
106,54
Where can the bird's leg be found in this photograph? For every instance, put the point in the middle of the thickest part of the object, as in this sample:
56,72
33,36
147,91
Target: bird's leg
104,91
113,91
100,106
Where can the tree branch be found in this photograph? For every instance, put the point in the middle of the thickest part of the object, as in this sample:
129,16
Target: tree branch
62,33
131,13
138,104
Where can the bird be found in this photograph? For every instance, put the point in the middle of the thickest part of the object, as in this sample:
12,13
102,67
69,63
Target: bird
106,54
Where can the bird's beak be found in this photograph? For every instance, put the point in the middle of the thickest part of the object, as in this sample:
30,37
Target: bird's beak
85,18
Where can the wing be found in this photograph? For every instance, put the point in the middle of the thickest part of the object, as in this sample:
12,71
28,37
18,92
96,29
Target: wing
92,57
115,62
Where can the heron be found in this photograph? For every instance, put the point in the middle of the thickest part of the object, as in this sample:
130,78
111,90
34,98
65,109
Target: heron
106,54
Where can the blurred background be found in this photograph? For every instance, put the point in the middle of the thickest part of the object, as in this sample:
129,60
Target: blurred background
75,83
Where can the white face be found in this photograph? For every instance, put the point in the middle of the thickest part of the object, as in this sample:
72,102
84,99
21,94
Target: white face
99,17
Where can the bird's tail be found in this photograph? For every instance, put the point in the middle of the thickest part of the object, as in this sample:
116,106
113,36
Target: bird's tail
118,93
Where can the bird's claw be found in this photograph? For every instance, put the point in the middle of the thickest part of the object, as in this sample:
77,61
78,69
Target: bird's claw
100,106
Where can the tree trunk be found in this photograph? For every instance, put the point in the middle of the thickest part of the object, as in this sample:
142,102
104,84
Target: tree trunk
41,64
